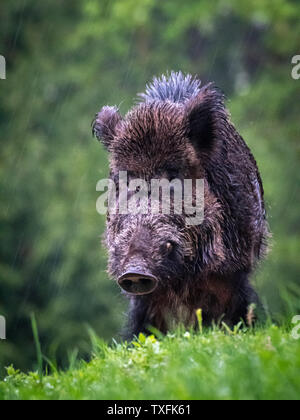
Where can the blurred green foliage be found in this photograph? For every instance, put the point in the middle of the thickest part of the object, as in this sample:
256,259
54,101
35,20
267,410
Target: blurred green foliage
67,59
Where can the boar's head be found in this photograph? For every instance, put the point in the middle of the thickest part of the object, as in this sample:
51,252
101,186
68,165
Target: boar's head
166,136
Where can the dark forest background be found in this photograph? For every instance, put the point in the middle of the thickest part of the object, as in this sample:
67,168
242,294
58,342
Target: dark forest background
65,60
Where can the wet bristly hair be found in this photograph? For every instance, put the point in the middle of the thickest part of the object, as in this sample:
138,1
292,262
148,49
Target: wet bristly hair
181,129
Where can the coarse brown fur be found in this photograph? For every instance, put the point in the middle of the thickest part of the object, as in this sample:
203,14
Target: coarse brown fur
182,130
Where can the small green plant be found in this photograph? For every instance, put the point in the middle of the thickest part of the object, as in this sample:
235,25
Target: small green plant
200,320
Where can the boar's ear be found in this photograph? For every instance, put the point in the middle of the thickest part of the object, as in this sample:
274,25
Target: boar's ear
204,113
105,123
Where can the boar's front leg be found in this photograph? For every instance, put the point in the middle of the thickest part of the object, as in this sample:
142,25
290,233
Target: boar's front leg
138,318
244,298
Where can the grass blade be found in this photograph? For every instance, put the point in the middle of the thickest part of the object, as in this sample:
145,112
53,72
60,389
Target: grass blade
37,345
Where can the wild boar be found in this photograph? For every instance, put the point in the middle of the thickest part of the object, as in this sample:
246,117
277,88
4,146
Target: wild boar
181,130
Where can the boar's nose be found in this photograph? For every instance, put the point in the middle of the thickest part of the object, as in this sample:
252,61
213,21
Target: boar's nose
138,283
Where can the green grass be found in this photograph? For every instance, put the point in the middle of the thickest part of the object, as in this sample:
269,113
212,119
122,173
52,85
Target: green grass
260,364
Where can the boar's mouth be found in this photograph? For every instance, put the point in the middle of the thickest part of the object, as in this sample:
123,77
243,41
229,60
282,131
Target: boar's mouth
138,283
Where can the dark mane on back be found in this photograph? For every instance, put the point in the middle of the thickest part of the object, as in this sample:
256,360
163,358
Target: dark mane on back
174,87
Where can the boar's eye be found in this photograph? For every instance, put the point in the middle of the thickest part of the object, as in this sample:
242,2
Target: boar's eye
132,192
172,174
169,247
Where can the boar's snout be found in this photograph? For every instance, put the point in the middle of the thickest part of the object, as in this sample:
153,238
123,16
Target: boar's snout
138,282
